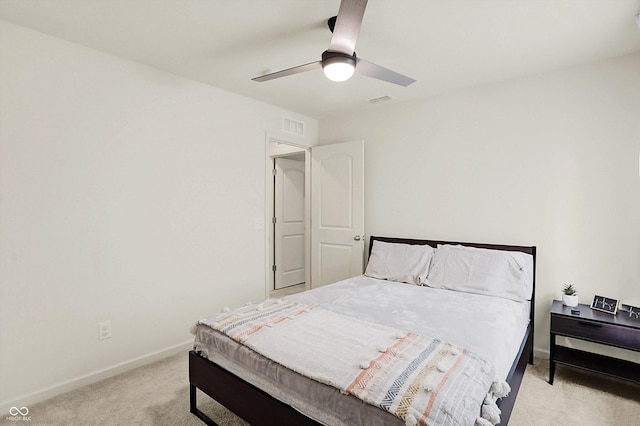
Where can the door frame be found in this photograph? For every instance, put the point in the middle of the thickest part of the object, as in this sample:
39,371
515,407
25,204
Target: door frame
277,147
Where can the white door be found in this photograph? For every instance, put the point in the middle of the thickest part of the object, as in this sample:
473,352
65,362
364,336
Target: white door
337,212
289,226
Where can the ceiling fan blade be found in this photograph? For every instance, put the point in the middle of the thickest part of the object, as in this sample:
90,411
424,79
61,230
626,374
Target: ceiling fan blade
376,71
347,28
289,71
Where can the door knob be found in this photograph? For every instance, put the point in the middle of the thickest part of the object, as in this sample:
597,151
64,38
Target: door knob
357,238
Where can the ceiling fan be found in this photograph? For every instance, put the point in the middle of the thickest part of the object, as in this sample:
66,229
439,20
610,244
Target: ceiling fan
339,62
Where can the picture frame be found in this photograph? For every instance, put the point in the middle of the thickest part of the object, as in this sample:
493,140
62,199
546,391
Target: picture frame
605,304
632,312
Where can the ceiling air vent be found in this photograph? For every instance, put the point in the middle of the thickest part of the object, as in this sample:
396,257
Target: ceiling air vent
380,99
292,126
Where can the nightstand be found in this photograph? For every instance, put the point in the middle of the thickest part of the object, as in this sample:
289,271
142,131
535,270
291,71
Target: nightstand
599,327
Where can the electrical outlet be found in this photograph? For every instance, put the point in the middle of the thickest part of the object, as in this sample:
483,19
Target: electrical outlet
104,330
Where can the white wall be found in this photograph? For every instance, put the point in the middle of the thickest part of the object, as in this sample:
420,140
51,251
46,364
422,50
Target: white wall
550,160
126,194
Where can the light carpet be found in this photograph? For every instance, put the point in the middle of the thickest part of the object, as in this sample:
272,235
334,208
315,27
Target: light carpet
158,394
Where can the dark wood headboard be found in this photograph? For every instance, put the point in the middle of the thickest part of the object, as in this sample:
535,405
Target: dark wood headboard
434,244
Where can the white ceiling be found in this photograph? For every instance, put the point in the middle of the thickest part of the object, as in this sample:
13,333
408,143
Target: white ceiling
443,44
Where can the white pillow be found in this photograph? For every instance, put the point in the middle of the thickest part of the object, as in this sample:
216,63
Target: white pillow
507,274
407,263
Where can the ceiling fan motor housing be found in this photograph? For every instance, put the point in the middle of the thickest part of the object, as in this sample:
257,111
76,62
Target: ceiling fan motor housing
329,58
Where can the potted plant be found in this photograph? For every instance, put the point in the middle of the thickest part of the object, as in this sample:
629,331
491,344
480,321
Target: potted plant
569,295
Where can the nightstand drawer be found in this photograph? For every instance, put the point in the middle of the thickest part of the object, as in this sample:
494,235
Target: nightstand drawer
598,332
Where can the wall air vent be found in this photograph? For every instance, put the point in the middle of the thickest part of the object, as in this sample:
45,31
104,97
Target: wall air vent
290,125
380,99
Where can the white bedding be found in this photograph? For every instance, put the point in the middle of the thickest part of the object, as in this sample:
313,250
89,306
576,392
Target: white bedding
416,378
492,327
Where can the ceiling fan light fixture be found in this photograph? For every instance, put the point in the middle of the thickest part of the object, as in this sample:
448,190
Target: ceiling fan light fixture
338,66
338,71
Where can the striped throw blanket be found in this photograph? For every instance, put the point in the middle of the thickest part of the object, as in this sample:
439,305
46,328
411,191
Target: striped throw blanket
421,380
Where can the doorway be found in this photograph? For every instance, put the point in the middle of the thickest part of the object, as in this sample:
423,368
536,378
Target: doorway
288,212
337,225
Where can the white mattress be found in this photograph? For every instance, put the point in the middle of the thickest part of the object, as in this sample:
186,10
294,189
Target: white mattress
492,327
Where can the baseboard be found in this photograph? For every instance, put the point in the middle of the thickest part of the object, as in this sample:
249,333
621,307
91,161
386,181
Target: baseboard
541,353
96,376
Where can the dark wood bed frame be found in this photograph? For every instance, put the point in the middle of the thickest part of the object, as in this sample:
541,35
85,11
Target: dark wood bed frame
233,392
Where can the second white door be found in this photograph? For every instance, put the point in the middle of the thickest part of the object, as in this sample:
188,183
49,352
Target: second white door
289,226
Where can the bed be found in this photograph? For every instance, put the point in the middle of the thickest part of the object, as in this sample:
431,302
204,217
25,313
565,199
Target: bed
262,389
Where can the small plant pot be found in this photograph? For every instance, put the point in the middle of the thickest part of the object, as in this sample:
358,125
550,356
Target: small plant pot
571,301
